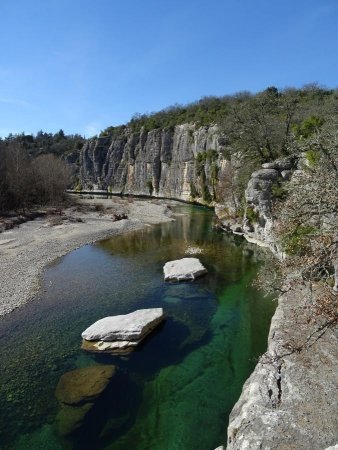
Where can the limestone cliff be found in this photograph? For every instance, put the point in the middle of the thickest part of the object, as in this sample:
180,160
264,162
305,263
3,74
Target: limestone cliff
161,162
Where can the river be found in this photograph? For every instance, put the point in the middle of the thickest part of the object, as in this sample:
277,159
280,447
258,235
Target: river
176,391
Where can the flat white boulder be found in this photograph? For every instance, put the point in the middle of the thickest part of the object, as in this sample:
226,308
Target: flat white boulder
183,269
121,334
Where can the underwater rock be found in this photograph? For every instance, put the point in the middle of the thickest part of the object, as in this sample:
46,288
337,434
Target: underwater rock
70,418
76,392
121,334
83,385
170,299
183,269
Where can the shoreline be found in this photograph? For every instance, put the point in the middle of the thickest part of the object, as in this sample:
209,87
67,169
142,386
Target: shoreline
293,380
289,402
27,250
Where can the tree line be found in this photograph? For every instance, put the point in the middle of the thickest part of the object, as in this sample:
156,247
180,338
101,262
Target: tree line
31,170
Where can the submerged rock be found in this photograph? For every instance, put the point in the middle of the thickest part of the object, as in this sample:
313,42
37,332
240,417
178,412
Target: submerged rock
70,418
76,392
183,269
121,334
83,385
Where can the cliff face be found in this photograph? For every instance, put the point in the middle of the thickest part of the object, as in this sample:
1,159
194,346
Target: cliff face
160,162
264,187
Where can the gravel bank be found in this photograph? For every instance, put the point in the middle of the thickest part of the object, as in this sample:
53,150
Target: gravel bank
25,251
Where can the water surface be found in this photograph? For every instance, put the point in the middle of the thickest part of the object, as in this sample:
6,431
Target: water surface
176,391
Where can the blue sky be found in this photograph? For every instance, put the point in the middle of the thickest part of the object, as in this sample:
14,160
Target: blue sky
83,65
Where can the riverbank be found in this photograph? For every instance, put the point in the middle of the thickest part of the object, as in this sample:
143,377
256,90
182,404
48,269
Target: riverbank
290,400
26,250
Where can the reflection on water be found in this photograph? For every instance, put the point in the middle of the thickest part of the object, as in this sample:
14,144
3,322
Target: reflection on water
177,389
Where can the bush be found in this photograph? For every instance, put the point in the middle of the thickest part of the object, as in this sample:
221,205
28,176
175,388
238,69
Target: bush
193,190
296,242
251,214
279,191
150,187
99,208
312,157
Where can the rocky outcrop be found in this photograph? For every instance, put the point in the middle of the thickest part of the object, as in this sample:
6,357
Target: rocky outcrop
265,185
183,269
289,402
121,334
160,162
76,392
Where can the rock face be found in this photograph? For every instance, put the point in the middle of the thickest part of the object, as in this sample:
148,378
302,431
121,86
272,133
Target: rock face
121,334
183,269
290,400
159,162
76,392
259,194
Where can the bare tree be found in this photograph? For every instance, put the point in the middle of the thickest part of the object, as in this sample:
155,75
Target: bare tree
51,179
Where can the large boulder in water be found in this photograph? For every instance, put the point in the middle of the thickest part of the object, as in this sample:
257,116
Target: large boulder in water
121,334
183,269
83,385
77,391
70,418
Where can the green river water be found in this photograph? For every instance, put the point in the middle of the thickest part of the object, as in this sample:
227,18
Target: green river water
175,392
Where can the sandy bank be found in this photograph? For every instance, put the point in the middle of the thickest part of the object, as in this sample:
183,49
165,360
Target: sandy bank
26,250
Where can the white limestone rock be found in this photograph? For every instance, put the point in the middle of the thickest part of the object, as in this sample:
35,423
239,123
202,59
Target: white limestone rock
121,334
128,327
183,269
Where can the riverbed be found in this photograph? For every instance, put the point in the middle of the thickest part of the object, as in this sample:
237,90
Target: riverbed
177,389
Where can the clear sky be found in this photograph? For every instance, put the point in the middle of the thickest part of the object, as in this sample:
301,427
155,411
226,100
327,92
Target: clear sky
83,65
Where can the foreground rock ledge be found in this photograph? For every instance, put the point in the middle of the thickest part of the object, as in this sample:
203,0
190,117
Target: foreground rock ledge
290,400
121,334
183,269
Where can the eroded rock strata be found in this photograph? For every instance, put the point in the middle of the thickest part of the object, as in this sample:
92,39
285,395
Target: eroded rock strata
160,162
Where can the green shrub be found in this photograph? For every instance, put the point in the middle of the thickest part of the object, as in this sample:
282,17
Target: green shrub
312,157
193,190
296,242
308,127
150,187
251,214
206,194
279,191
211,155
200,162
